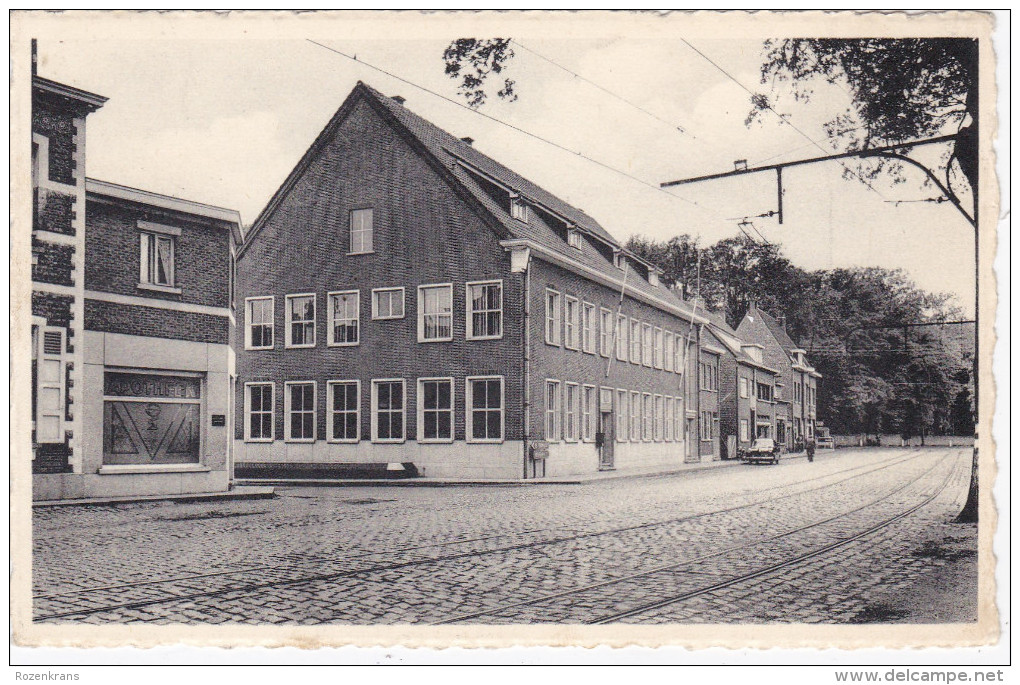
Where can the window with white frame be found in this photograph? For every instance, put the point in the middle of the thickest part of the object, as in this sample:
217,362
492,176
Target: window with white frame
299,409
552,317
518,208
435,313
588,413
484,402
571,319
659,416
258,333
574,238
668,350
259,408
658,348
706,426
588,328
605,331
622,327
387,303
388,419
361,231
667,423
646,344
744,436
157,259
648,416
344,318
743,388
678,419
552,410
301,320
635,416
343,411
570,401
435,409
485,310
678,354
622,400
635,341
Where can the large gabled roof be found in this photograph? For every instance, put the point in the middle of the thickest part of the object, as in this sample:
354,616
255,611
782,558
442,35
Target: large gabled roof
778,331
469,169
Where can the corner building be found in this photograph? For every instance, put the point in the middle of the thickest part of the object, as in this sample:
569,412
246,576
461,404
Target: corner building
412,306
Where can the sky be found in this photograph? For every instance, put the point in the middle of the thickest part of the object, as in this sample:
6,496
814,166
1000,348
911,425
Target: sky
223,120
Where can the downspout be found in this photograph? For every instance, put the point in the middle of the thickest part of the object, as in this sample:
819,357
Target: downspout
527,364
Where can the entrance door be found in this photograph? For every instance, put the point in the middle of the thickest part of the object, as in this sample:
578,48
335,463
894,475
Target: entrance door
780,432
608,446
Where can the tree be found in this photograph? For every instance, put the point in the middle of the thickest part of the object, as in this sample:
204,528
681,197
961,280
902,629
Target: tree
900,90
472,60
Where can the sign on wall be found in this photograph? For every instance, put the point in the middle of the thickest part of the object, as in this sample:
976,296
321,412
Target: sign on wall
154,419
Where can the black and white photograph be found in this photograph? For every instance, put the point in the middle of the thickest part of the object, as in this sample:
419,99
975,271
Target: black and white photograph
482,329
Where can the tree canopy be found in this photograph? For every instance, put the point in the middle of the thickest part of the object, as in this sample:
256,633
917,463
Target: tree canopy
914,381
900,90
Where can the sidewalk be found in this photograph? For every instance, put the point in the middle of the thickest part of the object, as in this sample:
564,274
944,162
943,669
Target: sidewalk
237,492
579,479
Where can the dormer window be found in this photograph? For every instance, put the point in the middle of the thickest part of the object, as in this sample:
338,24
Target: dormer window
620,260
518,208
574,238
653,277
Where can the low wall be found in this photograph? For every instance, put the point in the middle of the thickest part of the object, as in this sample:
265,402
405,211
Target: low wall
892,440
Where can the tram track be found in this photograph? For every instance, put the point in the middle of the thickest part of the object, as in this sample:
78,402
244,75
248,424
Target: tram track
691,562
249,587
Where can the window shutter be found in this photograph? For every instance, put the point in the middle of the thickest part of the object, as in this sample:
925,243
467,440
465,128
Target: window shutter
49,425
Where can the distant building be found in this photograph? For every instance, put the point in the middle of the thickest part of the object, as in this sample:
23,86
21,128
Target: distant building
797,384
410,304
131,326
747,408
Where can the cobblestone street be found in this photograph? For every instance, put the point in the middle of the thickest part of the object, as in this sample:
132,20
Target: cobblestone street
798,542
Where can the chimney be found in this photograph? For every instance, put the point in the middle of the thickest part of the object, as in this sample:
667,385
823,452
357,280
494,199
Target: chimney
469,140
35,57
399,99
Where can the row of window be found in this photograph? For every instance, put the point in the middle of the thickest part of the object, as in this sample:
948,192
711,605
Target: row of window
763,391
709,376
483,410
571,414
571,323
484,315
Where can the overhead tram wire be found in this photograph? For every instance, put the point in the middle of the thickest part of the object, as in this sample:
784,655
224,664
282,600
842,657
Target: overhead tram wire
782,118
682,129
554,144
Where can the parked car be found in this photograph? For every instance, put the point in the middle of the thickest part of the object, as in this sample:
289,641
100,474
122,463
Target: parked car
763,450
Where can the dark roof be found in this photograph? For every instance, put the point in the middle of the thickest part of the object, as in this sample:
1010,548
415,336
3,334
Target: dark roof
471,170
778,331
74,97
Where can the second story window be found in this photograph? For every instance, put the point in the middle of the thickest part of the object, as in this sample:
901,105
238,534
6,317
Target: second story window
485,310
344,319
571,319
764,392
259,331
157,259
301,320
435,313
388,303
588,327
552,317
361,231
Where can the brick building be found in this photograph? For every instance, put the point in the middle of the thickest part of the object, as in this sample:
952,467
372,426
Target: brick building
747,408
797,382
409,303
131,327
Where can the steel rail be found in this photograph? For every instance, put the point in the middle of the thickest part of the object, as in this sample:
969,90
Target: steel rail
254,586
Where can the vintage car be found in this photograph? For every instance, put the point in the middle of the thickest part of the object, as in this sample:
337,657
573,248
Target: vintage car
762,450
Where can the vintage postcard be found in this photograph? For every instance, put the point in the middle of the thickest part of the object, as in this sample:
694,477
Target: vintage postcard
486,329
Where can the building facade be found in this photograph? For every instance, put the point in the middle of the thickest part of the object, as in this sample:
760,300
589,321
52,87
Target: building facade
412,306
132,323
797,382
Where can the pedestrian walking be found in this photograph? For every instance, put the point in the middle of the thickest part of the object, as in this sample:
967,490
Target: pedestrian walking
810,449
